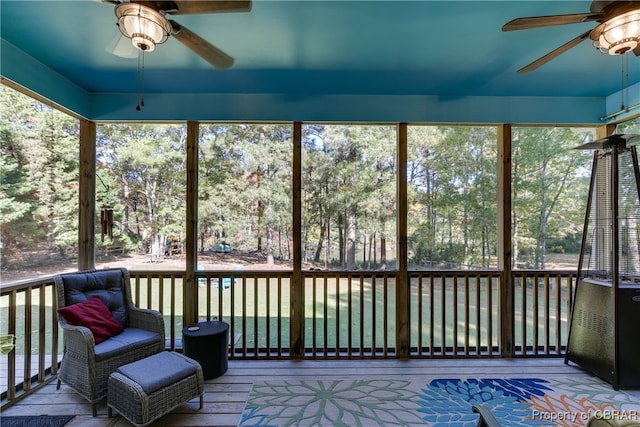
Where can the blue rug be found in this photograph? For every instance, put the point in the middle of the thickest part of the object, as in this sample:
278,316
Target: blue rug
441,402
35,420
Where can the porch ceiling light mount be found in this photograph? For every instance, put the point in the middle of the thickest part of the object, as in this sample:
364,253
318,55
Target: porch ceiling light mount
618,35
144,26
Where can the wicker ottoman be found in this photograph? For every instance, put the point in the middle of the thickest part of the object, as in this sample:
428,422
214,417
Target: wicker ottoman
145,390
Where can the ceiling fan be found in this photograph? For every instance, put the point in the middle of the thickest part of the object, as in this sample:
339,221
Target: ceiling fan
618,31
145,24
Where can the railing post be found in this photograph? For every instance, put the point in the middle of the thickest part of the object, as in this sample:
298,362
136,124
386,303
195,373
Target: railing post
87,196
505,245
403,326
190,288
297,281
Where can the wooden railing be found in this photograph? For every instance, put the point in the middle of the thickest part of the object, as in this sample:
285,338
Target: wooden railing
27,311
543,301
256,306
349,314
453,314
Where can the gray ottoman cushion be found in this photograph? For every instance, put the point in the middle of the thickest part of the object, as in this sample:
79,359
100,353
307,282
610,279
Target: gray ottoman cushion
146,390
144,372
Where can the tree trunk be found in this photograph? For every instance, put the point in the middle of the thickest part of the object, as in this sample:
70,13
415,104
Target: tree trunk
383,251
465,220
364,250
327,256
270,260
319,247
341,239
542,226
351,239
259,243
126,192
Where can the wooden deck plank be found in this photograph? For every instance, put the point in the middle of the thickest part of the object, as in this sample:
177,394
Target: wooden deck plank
226,395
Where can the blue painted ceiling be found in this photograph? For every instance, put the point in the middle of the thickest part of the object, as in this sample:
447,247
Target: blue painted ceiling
301,48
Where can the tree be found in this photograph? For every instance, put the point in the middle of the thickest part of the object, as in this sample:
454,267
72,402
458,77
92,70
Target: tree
548,174
348,182
147,162
452,191
219,161
38,196
246,183
17,199
348,191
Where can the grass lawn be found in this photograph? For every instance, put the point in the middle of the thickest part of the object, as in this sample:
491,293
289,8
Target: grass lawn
339,313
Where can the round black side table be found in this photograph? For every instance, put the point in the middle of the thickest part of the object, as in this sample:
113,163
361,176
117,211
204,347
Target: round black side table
208,344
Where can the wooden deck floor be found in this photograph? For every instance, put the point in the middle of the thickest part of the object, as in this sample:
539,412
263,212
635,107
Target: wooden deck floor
225,396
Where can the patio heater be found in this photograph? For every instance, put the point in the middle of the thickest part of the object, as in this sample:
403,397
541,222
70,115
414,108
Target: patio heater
604,334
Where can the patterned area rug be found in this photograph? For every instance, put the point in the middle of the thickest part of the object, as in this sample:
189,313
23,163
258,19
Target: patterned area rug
441,402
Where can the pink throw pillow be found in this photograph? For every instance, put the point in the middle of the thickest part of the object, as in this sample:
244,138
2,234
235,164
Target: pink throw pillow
95,315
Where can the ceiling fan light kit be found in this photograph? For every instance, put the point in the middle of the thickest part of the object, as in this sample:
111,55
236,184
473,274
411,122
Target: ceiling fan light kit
619,34
145,23
144,26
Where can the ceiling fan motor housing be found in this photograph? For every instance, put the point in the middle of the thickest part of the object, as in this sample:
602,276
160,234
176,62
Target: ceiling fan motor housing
144,26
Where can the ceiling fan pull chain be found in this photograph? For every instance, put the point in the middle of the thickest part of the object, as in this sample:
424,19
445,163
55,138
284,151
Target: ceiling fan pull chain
140,79
142,83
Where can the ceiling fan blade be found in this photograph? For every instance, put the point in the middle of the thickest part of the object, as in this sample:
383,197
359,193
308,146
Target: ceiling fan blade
203,48
554,53
217,6
184,7
636,51
122,47
548,21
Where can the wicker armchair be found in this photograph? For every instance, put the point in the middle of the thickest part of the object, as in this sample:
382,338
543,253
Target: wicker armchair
85,365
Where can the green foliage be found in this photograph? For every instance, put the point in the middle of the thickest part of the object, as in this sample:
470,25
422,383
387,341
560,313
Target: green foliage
565,243
141,170
16,201
245,189
348,184
630,126
550,184
452,180
39,166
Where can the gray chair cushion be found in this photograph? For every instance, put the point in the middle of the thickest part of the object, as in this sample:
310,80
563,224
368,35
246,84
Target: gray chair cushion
107,285
128,340
158,371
